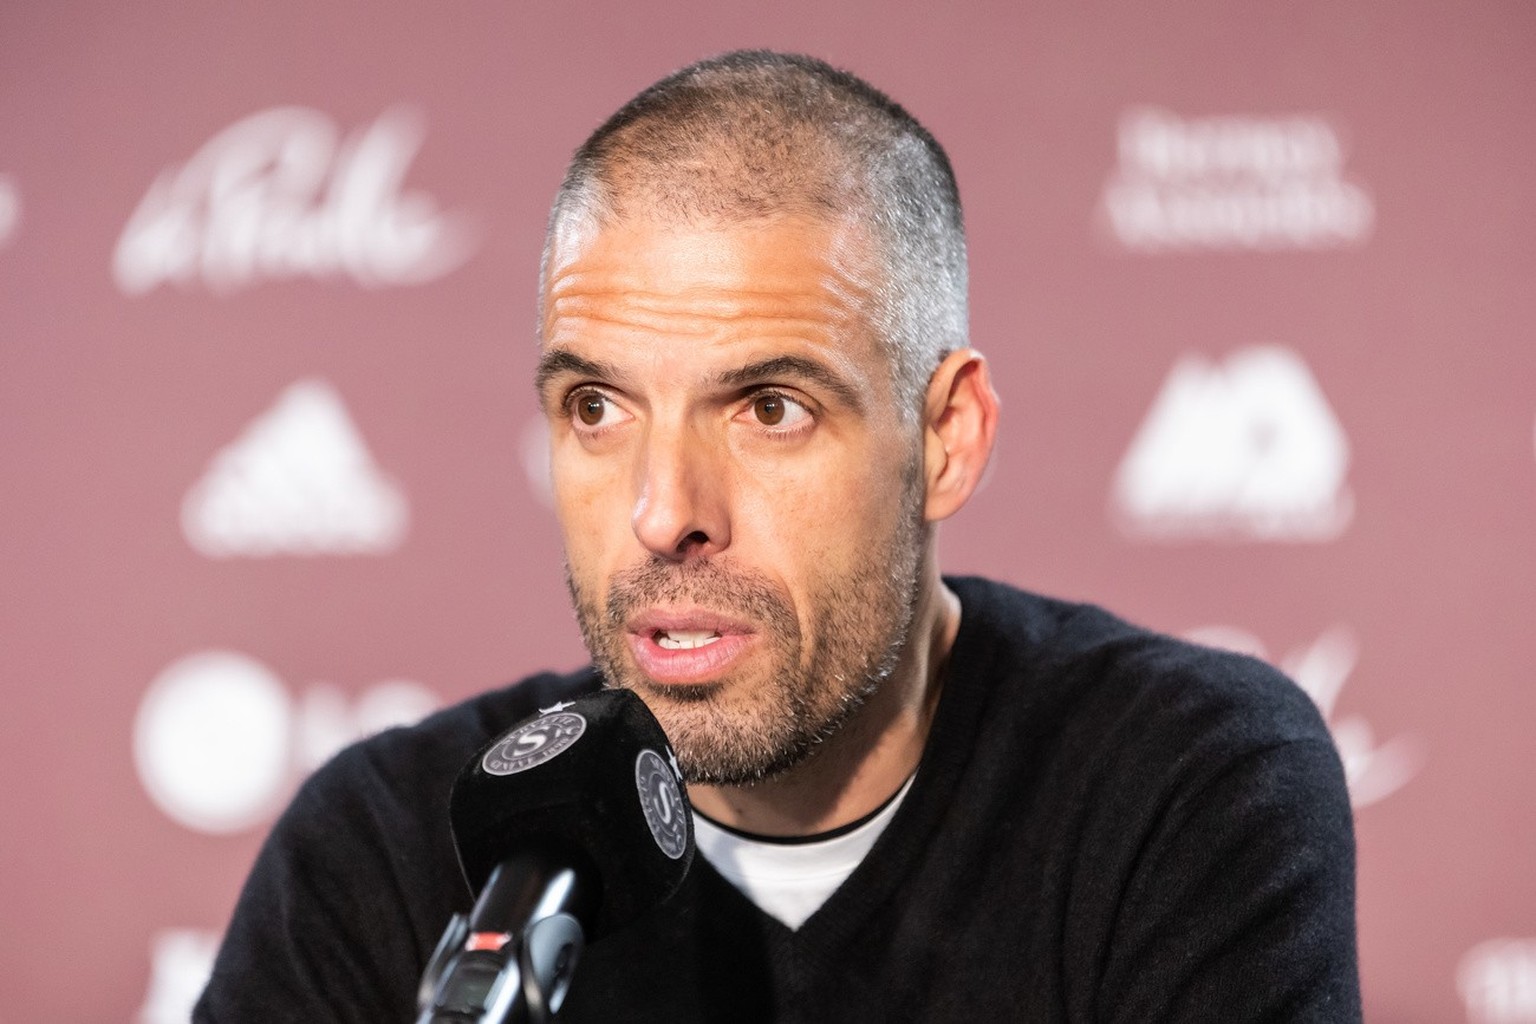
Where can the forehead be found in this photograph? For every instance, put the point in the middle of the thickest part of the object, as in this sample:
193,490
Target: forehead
789,273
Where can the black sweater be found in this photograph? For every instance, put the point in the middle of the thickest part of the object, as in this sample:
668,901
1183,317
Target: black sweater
1107,825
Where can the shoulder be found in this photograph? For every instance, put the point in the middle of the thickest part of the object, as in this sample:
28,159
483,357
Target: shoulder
1082,667
1127,722
1193,798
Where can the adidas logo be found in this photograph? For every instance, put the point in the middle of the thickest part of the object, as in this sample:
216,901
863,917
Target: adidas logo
1247,449
298,481
280,195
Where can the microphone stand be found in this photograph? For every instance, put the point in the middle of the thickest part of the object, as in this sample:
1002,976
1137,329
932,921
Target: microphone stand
511,960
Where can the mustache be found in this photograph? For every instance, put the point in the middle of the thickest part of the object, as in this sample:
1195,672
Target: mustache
741,592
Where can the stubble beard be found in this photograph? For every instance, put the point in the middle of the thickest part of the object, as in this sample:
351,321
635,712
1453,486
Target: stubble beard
765,719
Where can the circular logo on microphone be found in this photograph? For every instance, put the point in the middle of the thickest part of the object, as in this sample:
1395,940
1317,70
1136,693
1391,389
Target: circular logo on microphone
533,743
662,801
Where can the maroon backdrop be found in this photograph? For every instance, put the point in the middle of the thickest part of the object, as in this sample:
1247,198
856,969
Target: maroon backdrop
1255,281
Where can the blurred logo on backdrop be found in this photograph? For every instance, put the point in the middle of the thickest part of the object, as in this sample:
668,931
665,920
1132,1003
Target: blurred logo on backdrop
534,448
220,741
282,194
180,962
10,209
299,480
1231,183
1244,449
1497,981
1372,770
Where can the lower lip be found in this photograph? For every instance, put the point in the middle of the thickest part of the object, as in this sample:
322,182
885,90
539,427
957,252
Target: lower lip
690,665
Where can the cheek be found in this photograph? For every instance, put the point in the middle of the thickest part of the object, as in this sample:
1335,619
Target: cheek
590,503
818,517
585,485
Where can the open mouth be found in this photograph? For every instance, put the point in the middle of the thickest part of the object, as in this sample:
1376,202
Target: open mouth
688,645
684,639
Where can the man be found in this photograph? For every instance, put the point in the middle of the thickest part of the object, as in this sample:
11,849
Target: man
918,798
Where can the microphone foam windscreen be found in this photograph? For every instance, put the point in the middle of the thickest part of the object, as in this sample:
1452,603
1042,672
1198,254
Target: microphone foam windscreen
593,779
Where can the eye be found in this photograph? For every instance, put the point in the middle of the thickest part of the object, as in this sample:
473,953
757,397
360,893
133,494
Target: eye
775,410
591,408
594,409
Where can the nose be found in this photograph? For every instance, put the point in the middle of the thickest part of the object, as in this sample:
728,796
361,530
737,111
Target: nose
681,509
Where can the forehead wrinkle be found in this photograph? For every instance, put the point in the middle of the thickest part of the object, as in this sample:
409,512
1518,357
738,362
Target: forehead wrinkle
740,326
809,315
649,279
733,301
848,277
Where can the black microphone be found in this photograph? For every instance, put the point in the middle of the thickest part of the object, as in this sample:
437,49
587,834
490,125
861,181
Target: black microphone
568,826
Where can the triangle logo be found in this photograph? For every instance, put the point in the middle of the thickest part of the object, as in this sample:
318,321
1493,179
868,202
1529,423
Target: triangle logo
299,480
1247,449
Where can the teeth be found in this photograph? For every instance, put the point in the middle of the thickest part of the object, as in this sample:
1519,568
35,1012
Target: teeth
685,640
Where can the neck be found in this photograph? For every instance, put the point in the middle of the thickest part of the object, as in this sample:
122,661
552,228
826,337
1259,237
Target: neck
855,771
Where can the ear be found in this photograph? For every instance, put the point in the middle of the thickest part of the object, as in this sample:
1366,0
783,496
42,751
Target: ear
959,426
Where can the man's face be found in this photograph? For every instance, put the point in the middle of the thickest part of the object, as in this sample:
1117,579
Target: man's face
741,503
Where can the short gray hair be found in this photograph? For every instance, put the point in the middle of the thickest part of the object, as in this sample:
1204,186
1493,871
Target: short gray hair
756,133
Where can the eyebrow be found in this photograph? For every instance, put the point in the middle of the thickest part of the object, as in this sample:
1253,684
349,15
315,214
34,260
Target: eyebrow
779,367
562,361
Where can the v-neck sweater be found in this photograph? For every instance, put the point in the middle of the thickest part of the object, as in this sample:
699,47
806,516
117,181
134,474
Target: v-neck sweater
791,878
1107,825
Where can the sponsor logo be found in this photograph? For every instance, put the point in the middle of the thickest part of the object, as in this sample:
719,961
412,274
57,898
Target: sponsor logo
534,743
10,209
1247,449
661,798
297,481
1231,183
219,741
1497,982
281,194
180,963
1373,771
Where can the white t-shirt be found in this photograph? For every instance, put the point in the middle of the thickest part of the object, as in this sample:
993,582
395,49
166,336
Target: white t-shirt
790,879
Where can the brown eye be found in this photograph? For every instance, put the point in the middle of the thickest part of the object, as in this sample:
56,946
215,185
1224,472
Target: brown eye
591,408
769,410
